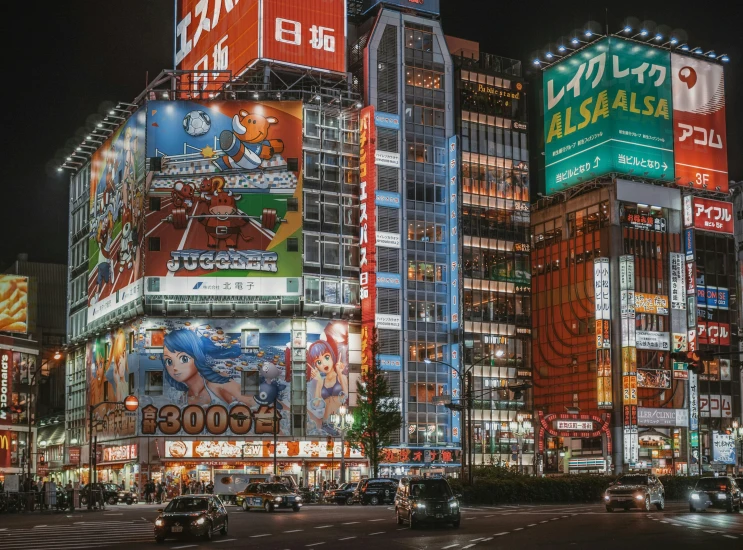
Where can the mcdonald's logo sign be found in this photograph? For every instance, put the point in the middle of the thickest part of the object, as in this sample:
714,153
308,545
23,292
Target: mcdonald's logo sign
4,443
5,457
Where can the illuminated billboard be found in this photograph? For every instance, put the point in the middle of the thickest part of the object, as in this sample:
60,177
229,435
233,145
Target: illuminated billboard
6,385
14,304
700,140
217,35
117,213
368,232
225,207
233,376
608,109
712,215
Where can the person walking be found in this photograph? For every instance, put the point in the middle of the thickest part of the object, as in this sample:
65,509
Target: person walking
210,487
159,493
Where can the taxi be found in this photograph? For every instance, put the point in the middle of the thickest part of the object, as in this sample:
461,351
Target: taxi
269,497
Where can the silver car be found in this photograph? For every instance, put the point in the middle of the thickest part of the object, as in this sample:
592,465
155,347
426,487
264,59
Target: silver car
635,491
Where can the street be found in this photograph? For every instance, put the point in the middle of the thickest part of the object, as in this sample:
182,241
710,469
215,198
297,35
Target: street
328,526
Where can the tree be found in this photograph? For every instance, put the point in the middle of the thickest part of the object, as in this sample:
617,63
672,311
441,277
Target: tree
377,414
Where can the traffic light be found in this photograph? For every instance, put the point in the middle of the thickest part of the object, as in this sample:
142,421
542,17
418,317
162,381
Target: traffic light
694,359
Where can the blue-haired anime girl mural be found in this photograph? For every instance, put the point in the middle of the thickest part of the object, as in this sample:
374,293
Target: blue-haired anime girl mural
186,356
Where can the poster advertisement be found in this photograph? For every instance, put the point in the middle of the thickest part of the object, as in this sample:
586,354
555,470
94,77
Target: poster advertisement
14,310
226,218
723,448
232,376
700,140
654,378
117,218
608,109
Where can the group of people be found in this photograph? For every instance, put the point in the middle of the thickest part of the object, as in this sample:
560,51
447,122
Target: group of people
154,492
198,488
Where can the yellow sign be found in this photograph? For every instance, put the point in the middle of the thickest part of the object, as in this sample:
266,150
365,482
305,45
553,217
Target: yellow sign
629,388
629,360
651,303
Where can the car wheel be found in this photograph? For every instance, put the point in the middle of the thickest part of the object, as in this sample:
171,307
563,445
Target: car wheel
111,501
374,500
609,508
455,524
661,504
411,520
208,534
729,507
224,528
245,506
268,507
83,501
647,503
159,540
692,509
296,508
349,501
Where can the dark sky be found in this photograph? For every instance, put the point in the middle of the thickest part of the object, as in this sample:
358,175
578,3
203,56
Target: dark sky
66,61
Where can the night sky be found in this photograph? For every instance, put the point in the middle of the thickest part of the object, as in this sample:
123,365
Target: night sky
66,61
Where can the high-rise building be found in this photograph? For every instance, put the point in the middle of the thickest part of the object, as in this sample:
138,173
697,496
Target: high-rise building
214,259
633,263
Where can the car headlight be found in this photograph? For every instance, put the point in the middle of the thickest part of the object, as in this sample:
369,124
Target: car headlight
420,505
607,497
159,522
721,496
200,521
298,499
278,499
639,497
454,504
694,496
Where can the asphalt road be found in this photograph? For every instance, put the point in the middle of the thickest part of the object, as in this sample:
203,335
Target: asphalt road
327,527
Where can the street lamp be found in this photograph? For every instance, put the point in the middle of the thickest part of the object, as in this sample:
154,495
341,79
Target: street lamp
520,427
738,436
342,421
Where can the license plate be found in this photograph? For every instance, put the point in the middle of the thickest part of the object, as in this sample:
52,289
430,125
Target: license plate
176,529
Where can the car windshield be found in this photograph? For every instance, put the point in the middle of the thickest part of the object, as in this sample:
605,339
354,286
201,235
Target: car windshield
712,484
633,480
344,486
187,505
430,489
274,488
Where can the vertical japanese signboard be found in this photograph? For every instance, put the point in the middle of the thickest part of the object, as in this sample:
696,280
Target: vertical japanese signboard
367,233
608,109
678,296
453,232
602,303
6,386
700,141
629,355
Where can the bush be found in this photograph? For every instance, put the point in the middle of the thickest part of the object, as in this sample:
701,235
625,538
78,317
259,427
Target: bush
506,487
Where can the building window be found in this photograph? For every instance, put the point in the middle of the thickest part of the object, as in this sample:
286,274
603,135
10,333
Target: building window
312,249
312,207
331,253
421,392
426,272
312,290
249,383
153,382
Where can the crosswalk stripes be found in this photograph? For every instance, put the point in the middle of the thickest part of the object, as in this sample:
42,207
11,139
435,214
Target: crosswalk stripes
82,534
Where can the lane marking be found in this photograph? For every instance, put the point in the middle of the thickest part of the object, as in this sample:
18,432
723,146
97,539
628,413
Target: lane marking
259,536
475,540
377,533
314,544
468,546
349,523
487,539
500,534
553,519
323,526
402,528
294,531
531,525
450,546
347,538
187,546
662,521
37,526
382,519
730,537
518,529
490,516
470,518
710,531
545,521
225,540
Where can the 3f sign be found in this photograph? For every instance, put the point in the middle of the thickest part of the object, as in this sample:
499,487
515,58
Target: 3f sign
290,32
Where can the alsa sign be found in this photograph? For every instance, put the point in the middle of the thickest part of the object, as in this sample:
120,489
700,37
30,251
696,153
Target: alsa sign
712,215
229,35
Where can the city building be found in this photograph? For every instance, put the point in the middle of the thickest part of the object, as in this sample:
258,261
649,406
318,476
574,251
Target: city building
491,123
32,330
633,263
214,261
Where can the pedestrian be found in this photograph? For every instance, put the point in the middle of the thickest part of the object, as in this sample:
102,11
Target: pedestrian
135,489
210,487
159,493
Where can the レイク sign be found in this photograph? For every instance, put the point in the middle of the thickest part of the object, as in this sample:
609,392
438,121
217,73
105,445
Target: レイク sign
367,233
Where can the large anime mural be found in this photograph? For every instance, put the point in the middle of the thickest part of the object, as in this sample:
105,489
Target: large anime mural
225,198
233,376
117,197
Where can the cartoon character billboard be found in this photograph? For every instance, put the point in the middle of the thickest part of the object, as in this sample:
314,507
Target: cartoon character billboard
107,364
232,376
226,219
116,219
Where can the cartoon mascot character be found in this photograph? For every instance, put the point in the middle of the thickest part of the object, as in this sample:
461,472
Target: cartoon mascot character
247,145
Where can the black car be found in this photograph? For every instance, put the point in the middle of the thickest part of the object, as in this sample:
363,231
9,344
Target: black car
191,515
109,492
715,492
344,493
376,491
427,500
635,491
128,497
